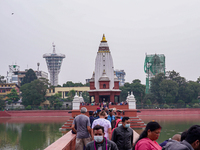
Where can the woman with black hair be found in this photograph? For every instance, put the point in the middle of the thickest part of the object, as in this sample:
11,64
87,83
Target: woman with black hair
147,140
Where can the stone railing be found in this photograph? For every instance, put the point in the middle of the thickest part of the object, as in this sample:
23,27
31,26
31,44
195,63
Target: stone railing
66,142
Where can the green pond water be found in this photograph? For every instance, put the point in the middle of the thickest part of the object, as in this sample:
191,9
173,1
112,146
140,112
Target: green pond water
37,134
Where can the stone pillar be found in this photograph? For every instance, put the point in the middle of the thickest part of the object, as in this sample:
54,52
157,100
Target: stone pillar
131,101
76,103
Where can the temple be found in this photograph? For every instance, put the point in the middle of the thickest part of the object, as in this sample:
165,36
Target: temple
104,85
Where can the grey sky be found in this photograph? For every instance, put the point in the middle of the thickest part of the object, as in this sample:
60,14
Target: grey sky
132,28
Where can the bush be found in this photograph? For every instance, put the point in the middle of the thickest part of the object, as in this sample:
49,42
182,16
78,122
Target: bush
40,107
172,106
166,106
28,107
188,106
195,101
196,105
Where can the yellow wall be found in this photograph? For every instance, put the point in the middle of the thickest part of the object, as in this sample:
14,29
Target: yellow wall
63,90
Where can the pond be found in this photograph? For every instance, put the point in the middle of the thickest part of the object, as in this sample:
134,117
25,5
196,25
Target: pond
29,133
37,133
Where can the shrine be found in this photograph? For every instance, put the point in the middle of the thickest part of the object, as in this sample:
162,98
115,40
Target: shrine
104,85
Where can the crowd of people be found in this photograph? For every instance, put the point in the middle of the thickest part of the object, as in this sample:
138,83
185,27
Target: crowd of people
103,104
105,129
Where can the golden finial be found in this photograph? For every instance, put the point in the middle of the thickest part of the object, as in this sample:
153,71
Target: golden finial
103,39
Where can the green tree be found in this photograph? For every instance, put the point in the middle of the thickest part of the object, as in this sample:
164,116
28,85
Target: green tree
156,87
136,87
168,91
68,84
70,95
2,103
86,96
34,93
29,76
13,96
2,79
55,100
198,80
71,84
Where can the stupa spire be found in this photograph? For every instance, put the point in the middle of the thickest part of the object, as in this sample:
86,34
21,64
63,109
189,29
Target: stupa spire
103,38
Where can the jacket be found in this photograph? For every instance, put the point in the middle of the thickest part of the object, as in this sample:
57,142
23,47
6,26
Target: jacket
123,137
110,145
175,145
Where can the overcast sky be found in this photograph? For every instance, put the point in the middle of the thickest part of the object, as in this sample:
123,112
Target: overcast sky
132,28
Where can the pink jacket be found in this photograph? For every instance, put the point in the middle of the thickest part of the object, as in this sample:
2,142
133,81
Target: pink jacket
147,144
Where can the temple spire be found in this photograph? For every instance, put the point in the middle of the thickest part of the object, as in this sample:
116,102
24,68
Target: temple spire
103,38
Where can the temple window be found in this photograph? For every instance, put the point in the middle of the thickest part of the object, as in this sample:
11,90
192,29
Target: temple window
104,86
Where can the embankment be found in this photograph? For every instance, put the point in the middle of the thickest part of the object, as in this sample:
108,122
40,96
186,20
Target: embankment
168,112
64,113
35,113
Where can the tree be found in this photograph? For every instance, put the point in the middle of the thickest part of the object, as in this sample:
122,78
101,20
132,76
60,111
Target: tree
68,84
71,84
155,86
136,87
2,103
2,79
86,97
34,93
55,100
168,91
13,96
70,95
29,76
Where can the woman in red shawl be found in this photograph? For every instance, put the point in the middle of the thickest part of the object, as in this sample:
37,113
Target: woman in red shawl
147,139
118,123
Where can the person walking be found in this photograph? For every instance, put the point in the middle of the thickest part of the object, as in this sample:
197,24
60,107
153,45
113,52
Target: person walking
103,122
82,130
147,139
123,135
91,117
111,117
100,142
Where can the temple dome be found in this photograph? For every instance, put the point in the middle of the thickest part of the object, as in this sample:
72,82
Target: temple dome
104,77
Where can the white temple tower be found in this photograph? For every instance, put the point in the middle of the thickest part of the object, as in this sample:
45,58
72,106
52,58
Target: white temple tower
104,85
103,62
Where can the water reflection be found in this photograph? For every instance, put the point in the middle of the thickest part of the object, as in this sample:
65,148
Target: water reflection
29,136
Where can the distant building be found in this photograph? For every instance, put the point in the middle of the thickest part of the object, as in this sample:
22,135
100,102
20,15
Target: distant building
16,76
5,88
153,65
87,80
120,76
54,62
65,90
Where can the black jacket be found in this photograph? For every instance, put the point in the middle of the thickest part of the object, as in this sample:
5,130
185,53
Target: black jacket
110,145
123,137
